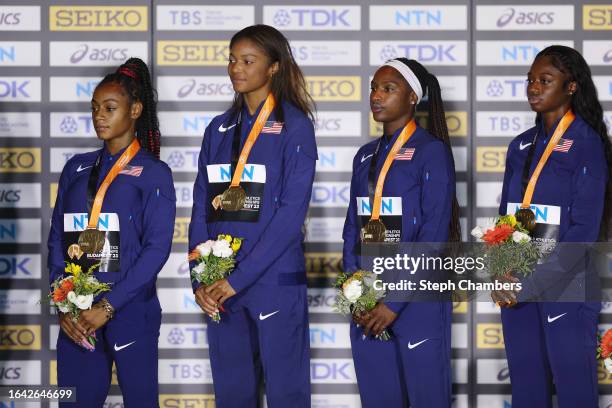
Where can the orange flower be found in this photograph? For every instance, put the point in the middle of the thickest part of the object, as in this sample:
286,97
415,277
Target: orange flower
498,234
193,255
67,285
606,344
59,295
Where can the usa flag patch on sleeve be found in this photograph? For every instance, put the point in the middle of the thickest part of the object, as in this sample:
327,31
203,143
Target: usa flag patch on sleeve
272,127
405,154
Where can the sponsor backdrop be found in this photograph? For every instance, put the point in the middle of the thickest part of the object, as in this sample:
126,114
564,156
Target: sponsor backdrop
52,56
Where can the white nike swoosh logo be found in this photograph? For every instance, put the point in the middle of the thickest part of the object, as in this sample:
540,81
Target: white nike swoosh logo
264,317
411,346
364,157
550,320
80,169
223,129
522,146
119,348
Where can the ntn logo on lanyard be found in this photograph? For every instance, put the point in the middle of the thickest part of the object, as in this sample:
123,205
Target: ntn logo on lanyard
544,214
390,206
78,222
221,173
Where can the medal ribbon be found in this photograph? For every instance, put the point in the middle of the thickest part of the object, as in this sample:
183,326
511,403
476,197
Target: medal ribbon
119,165
264,113
407,132
565,123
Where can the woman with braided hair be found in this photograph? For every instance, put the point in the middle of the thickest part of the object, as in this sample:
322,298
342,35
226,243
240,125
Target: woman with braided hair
124,194
557,181
411,169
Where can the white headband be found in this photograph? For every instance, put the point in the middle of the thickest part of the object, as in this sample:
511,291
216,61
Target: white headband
408,75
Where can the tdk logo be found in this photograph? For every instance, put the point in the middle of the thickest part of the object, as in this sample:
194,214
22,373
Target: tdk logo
423,53
497,88
70,124
511,15
418,18
312,17
14,89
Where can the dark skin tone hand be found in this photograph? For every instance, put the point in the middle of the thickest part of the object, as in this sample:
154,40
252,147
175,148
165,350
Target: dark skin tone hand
72,329
505,298
92,319
205,301
376,320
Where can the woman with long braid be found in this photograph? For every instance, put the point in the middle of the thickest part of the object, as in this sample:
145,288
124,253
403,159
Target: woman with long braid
135,219
418,178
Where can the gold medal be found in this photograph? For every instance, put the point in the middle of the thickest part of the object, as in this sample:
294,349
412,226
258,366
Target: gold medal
526,217
374,231
91,241
233,198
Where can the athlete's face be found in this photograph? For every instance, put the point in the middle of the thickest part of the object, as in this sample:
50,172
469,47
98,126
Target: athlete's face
391,98
548,89
113,115
249,68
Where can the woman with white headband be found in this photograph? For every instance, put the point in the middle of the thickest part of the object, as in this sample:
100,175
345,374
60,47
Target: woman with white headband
403,190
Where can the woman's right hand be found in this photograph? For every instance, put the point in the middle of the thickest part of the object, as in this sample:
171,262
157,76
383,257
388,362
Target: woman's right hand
205,301
72,329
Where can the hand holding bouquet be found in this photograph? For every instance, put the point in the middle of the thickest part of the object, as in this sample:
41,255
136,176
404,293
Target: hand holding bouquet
76,292
356,295
508,247
215,260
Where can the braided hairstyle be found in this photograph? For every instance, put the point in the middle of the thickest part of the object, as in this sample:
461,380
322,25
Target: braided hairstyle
584,103
436,125
134,78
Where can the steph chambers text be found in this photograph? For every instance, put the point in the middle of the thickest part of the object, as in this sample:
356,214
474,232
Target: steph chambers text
426,285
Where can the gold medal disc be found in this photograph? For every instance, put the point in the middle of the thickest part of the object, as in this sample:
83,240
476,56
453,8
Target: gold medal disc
526,217
91,241
374,231
233,198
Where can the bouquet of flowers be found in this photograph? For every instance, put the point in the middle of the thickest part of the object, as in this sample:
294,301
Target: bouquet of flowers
604,349
76,292
215,260
508,247
356,295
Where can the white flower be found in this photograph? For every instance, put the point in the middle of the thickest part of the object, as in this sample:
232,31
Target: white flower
477,232
353,290
608,364
205,248
518,236
199,268
83,302
63,307
222,249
